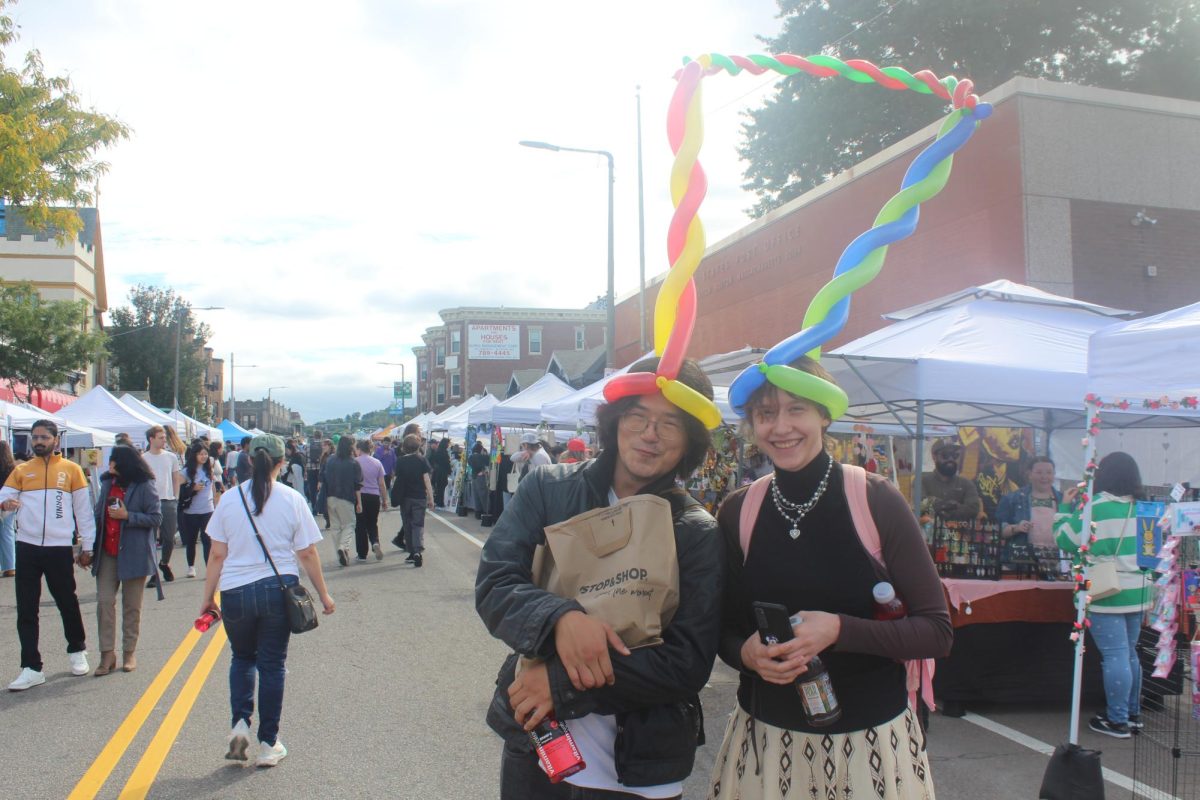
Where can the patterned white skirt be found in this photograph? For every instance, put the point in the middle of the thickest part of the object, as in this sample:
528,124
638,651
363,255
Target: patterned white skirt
887,762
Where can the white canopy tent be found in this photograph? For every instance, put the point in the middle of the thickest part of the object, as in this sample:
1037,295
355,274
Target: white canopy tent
99,409
524,408
195,427
20,417
151,411
455,424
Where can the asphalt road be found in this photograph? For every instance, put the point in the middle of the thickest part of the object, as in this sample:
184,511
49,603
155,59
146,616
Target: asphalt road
384,700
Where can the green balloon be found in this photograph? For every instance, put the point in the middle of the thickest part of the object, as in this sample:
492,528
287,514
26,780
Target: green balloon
808,386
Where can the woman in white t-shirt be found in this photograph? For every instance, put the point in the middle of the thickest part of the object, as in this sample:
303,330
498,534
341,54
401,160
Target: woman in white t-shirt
251,597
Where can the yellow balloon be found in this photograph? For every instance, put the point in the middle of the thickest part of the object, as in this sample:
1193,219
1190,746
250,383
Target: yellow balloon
691,401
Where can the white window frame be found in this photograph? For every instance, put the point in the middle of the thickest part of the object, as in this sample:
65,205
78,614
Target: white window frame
530,336
580,337
455,384
439,392
439,354
455,342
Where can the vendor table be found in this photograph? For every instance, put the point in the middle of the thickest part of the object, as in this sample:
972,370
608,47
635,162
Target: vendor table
1011,645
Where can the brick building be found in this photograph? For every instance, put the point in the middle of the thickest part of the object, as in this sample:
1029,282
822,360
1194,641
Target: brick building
1084,192
477,347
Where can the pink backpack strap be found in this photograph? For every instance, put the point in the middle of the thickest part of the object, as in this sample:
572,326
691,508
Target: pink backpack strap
751,504
919,672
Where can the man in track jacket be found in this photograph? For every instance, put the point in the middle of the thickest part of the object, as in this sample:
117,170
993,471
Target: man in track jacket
50,496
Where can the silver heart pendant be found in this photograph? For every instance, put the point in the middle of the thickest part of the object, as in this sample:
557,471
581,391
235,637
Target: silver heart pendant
794,533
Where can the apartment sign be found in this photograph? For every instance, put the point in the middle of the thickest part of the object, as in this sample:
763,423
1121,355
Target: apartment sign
494,342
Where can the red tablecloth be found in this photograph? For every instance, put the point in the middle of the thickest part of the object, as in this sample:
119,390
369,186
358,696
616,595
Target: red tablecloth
980,602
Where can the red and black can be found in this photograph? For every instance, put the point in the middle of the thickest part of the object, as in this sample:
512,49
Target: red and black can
556,749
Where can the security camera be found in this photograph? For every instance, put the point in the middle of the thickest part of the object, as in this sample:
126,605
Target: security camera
1142,218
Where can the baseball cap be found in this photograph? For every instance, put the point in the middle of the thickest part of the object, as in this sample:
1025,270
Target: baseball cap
942,444
269,442
528,438
576,444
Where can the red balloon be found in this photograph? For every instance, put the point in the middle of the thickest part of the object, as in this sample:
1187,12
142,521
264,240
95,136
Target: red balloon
681,335
629,384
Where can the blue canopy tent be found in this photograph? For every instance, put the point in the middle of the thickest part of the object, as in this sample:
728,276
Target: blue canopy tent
233,432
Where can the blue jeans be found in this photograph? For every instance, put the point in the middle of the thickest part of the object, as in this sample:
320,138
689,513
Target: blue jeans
8,542
258,632
1116,635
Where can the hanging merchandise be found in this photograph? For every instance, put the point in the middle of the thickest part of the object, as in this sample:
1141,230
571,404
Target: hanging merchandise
716,476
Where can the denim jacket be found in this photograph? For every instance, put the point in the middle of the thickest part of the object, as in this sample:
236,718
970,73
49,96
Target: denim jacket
1017,507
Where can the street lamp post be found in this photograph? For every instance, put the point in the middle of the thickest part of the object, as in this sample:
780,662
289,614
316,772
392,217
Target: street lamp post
267,415
611,323
232,394
402,380
178,336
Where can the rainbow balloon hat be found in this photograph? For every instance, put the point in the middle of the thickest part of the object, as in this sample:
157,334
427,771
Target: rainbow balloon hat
859,264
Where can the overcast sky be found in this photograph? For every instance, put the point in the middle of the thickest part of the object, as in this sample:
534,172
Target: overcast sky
333,174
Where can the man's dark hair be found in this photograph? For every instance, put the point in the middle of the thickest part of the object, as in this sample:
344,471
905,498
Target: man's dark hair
1118,474
411,444
246,441
478,447
364,446
48,424
698,439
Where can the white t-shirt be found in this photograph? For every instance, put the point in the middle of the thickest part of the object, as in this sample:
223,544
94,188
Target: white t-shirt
596,737
164,465
286,526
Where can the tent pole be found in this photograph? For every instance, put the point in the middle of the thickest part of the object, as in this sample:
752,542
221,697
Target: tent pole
919,458
1085,534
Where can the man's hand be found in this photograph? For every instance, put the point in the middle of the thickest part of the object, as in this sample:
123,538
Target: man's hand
84,559
582,644
777,663
429,504
529,696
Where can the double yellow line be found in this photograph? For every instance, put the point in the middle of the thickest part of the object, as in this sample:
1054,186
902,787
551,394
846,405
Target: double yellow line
147,769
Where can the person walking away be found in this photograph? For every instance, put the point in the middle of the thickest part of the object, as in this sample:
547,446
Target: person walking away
128,515
198,473
168,477
373,500
1115,621
412,493
652,693
51,497
8,522
439,462
315,460
387,457
293,470
479,462
343,496
322,506
252,603
807,548
242,470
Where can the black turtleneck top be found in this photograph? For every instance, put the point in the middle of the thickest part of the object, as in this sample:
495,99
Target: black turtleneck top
827,569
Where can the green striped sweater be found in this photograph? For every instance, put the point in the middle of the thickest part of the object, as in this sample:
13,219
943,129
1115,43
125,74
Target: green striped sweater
1115,524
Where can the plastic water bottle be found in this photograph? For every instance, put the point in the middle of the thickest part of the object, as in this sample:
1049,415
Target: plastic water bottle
205,620
887,605
556,749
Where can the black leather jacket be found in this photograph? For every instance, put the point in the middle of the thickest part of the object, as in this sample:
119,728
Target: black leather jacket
655,696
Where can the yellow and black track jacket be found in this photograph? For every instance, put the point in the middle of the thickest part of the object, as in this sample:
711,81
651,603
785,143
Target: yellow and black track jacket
55,502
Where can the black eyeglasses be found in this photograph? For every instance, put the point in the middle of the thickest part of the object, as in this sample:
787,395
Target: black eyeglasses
668,429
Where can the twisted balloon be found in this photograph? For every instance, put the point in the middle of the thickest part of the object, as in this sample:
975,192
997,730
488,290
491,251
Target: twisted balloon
675,307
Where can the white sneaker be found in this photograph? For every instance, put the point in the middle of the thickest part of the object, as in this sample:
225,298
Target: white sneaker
239,741
191,573
79,664
27,680
269,755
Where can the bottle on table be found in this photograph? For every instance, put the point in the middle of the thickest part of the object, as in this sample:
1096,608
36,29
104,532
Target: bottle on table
556,749
819,701
887,605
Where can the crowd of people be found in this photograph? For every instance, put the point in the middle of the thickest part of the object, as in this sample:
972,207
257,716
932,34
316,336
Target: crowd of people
816,539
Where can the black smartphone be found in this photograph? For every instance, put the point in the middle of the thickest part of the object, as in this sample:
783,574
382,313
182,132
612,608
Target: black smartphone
774,626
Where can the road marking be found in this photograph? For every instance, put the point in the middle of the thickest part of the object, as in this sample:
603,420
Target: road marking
93,780
139,783
477,542
1112,776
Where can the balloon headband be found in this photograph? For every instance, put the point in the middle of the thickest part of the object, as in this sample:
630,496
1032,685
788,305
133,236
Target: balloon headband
860,263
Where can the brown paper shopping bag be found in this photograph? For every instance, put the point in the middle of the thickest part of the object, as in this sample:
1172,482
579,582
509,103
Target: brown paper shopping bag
619,562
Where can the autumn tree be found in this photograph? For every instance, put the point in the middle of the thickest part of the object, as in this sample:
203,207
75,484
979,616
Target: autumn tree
142,342
812,129
48,142
43,342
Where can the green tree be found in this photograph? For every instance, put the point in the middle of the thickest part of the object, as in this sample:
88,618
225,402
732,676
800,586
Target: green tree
42,342
812,129
48,142
142,343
